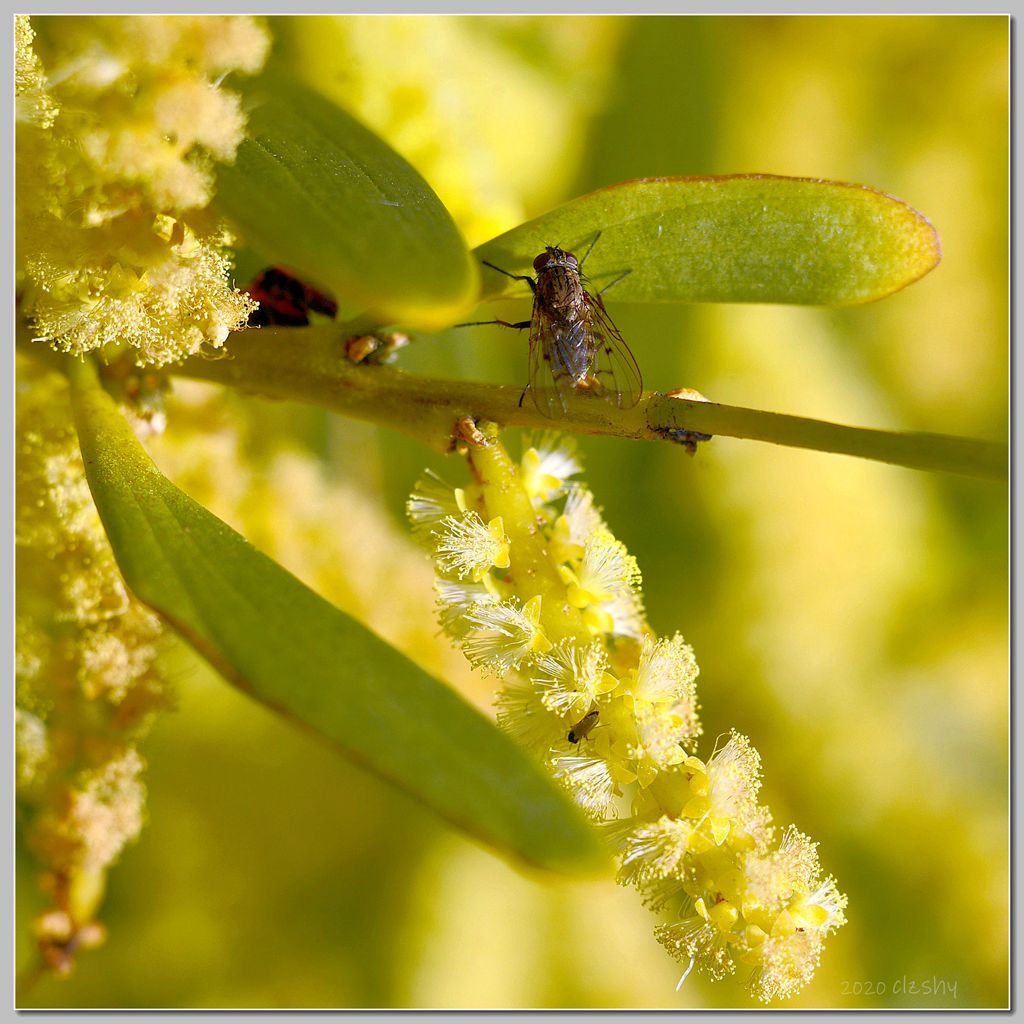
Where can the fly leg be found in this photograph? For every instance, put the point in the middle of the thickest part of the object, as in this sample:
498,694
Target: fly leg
589,250
610,284
521,326
515,277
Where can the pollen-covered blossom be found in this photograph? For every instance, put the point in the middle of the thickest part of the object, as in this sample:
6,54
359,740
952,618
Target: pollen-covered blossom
570,678
432,501
547,465
605,585
121,121
666,672
611,709
86,674
34,105
501,635
469,547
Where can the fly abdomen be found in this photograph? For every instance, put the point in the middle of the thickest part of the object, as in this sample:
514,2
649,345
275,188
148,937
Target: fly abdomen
572,351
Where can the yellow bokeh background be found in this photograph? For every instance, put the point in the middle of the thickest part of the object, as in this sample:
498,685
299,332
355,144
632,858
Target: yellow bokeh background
850,617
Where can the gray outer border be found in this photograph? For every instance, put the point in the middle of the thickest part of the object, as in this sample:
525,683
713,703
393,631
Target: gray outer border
480,7
420,7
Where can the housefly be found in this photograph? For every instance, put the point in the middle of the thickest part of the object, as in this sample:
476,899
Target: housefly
574,346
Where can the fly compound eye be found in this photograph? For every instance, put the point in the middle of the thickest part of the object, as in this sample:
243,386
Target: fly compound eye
569,257
541,261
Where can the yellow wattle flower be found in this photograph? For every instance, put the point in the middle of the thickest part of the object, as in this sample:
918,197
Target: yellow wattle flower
611,710
125,120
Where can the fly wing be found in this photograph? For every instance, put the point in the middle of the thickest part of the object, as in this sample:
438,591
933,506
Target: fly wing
614,366
555,352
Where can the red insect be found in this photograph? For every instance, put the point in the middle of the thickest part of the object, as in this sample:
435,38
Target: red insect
574,346
284,301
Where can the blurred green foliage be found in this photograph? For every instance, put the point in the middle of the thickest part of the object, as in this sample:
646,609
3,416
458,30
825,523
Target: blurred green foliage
307,168
285,646
851,618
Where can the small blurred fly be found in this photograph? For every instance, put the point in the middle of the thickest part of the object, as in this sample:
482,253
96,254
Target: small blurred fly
574,346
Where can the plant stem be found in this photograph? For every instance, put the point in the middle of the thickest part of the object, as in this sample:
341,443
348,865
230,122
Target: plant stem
309,365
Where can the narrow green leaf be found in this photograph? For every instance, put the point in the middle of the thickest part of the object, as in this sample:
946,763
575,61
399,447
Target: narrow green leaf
269,634
743,238
314,189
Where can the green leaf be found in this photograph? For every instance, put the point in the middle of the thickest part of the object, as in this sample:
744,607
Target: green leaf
270,635
313,189
743,238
